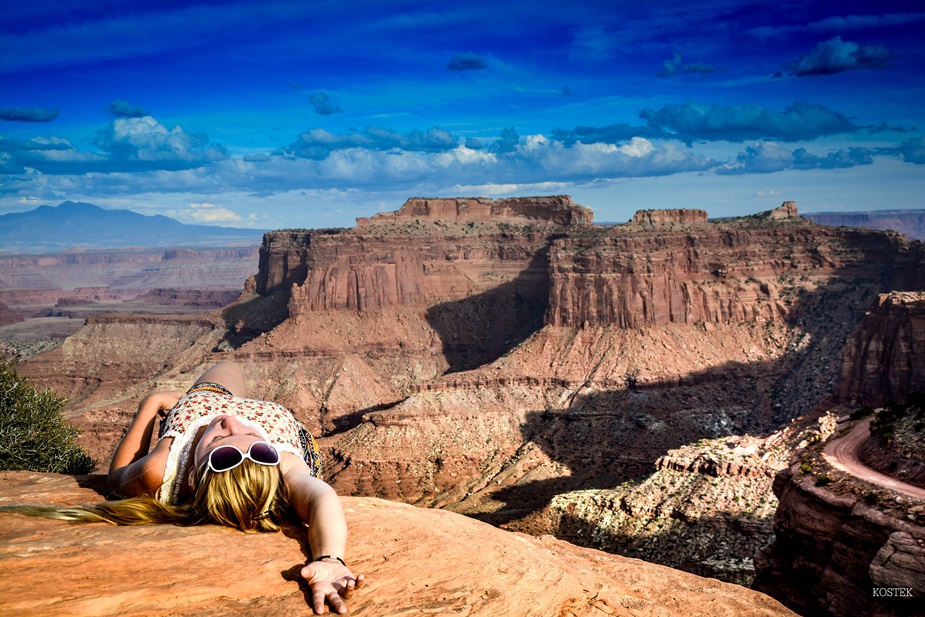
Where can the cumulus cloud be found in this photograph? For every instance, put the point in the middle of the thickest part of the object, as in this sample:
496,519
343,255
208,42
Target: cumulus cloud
28,114
836,56
507,142
210,213
610,134
911,151
533,160
637,158
697,121
319,143
121,109
127,144
676,66
141,156
323,105
770,157
841,23
150,143
466,62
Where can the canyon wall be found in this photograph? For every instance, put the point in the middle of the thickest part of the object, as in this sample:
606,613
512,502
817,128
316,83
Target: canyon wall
851,547
558,210
885,359
129,270
834,549
910,223
708,508
392,258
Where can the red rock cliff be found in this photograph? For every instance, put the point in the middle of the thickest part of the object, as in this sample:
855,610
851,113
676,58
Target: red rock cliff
557,210
691,333
401,257
718,274
832,550
885,359
667,217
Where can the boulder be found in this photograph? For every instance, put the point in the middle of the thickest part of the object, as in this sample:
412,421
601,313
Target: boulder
416,561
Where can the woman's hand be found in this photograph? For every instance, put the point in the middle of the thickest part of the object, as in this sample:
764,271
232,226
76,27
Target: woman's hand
330,581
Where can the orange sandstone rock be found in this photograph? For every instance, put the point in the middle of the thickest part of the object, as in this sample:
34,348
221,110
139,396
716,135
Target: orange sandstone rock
416,561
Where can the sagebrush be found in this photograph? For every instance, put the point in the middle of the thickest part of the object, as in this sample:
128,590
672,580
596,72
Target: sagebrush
34,434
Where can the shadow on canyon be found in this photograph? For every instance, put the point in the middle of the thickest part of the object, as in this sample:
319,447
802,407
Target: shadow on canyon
246,320
483,327
707,546
607,437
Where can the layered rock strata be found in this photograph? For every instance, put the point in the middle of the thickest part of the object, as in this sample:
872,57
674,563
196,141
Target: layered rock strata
910,223
374,265
667,218
557,210
851,545
128,271
885,359
8,316
836,551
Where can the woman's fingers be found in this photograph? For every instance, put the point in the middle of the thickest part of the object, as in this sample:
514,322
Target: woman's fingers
337,603
318,601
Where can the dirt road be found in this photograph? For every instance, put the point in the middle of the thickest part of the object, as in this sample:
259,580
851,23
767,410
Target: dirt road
842,454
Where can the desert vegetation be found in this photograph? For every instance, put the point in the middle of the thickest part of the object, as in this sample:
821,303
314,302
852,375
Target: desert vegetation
34,434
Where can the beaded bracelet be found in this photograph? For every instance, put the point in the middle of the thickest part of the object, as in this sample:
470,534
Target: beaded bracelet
331,557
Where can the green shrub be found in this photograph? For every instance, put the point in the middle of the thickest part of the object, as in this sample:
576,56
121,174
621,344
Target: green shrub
34,435
823,480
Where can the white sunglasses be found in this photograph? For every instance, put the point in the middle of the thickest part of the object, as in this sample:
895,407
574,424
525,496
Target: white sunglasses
228,457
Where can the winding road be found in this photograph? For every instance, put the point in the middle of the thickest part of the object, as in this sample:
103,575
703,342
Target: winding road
842,454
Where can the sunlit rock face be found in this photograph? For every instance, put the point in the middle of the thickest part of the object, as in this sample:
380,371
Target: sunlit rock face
415,561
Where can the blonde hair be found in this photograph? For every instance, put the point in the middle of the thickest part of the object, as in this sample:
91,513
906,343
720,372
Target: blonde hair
250,497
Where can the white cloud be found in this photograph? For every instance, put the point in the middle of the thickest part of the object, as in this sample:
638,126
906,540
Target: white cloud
209,213
491,189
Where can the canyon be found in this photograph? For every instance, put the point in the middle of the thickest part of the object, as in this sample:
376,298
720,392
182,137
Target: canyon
639,388
45,298
910,223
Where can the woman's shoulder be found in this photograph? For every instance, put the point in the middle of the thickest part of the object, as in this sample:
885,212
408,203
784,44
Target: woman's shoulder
156,463
146,475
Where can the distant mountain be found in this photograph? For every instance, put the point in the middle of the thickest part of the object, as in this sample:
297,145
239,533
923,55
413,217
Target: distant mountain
71,224
911,223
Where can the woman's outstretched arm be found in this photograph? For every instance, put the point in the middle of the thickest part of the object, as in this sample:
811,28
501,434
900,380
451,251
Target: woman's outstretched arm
316,504
130,472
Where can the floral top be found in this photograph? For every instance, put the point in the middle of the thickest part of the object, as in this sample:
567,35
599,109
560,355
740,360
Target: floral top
197,409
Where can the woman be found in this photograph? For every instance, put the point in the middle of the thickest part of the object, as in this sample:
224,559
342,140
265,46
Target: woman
222,458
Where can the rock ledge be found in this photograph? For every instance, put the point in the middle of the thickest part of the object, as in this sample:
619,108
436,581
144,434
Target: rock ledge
416,561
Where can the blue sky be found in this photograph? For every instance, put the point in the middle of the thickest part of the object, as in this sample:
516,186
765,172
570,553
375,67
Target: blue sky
285,113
